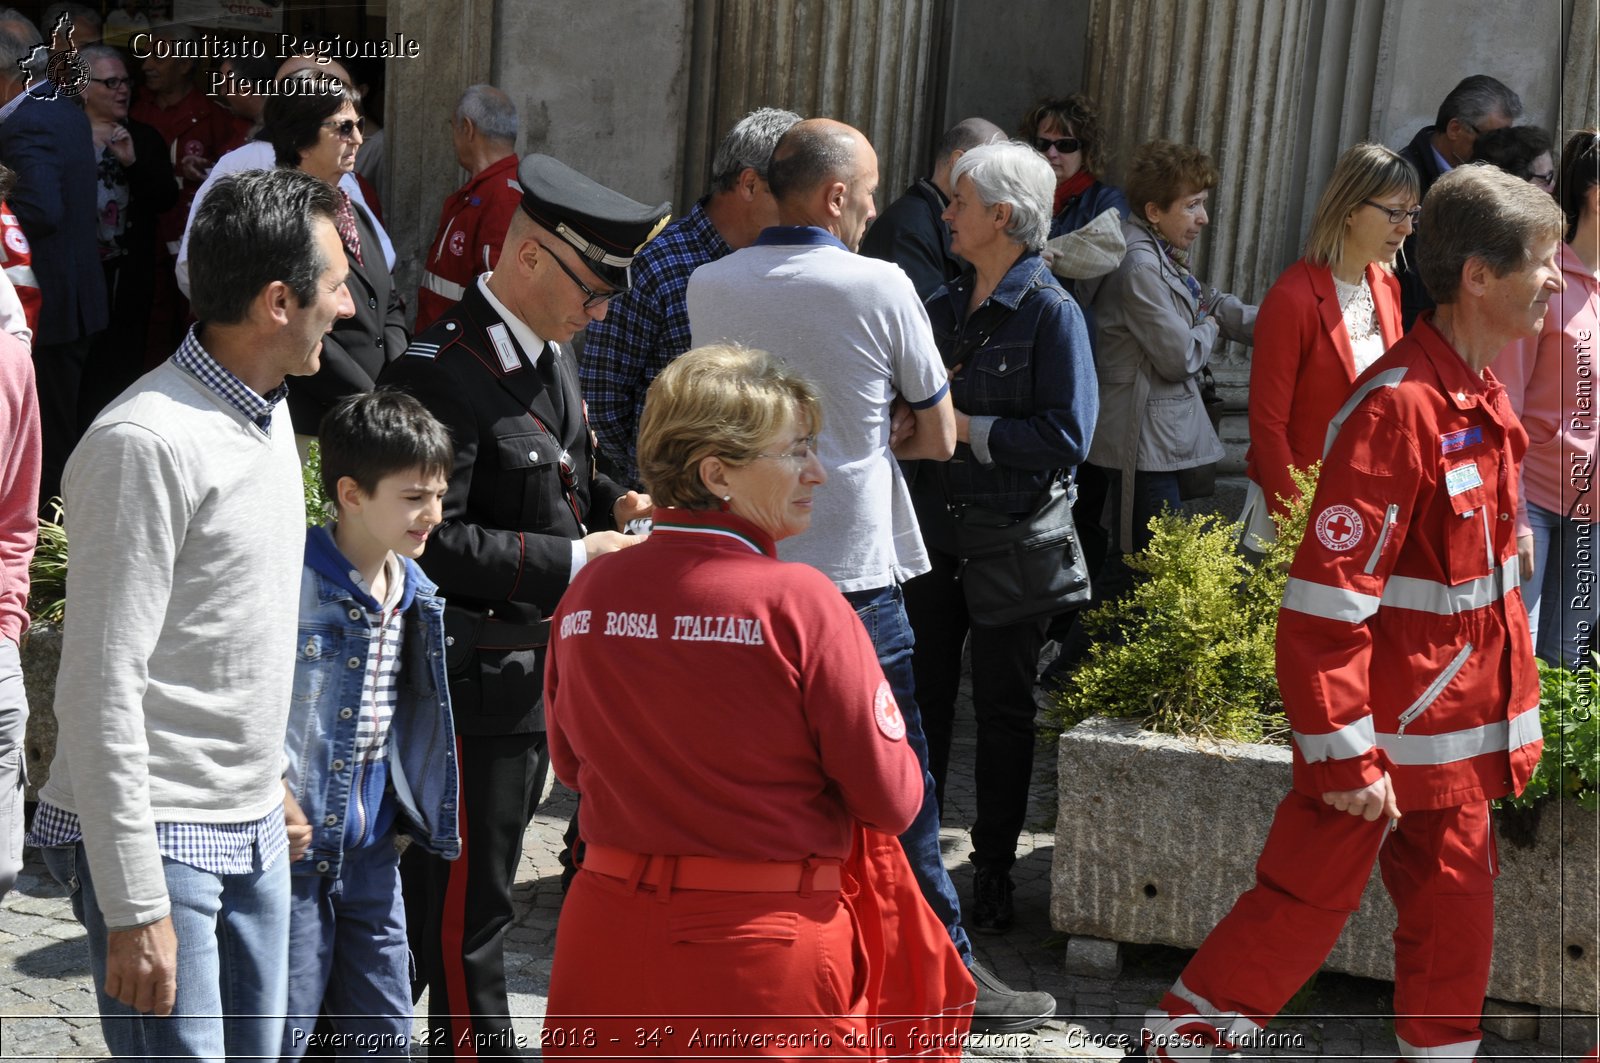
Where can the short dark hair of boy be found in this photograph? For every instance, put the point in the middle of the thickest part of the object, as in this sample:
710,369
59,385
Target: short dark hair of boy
254,228
373,434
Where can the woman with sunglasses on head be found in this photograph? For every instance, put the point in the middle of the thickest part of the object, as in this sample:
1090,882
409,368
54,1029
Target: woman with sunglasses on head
1546,379
134,187
319,133
1325,319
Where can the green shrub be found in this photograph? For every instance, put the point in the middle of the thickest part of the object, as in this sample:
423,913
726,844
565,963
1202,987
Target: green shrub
47,573
1189,651
1571,762
318,509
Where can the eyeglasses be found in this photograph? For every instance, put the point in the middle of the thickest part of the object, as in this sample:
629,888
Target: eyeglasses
801,453
114,83
345,130
1396,214
1063,145
591,298
1545,179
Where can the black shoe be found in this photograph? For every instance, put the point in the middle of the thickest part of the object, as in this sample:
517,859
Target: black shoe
1001,1009
992,909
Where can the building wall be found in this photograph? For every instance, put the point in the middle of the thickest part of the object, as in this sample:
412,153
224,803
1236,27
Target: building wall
1004,55
601,86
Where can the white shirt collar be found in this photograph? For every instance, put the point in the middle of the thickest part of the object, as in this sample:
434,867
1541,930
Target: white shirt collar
527,339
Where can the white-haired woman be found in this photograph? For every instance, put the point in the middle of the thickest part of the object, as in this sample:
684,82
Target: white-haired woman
1022,380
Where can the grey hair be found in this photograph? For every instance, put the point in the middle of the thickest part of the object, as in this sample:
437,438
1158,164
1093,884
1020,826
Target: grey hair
1476,98
749,144
1015,174
491,110
91,52
18,39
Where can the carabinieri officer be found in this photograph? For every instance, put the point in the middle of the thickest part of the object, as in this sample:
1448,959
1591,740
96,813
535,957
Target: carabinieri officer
525,511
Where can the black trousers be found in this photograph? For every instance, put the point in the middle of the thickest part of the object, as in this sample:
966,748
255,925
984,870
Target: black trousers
1003,663
58,373
458,911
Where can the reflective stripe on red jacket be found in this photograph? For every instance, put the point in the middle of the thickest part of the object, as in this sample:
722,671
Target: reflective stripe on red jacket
472,226
1403,641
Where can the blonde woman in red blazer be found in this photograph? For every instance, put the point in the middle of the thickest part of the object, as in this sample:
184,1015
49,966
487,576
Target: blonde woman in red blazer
1327,318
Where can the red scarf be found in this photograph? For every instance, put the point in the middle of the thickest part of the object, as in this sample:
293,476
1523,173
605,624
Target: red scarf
1071,188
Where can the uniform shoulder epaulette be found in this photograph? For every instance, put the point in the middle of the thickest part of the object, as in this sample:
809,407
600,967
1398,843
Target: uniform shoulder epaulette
439,336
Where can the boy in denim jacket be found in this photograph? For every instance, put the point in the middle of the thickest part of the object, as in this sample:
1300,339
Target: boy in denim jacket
370,745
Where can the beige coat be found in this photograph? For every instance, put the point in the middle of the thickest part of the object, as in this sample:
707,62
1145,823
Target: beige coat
1149,352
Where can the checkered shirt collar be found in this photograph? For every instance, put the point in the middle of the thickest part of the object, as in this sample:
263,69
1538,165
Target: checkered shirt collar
198,363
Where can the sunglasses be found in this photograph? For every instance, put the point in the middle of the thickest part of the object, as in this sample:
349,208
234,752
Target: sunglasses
591,298
114,83
1063,146
345,130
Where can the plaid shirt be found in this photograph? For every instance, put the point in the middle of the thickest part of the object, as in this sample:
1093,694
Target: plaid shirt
643,331
194,360
220,848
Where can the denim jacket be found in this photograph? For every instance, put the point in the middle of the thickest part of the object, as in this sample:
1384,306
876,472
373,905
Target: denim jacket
1029,386
330,667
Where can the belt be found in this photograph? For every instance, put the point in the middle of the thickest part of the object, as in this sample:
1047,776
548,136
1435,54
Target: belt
712,873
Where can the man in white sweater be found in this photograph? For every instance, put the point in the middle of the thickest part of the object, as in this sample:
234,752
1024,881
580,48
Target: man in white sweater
165,812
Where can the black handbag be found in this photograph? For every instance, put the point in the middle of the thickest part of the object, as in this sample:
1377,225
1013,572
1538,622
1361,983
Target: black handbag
1021,568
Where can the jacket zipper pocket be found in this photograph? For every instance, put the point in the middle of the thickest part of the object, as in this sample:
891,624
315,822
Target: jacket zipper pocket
1389,517
1488,540
1435,688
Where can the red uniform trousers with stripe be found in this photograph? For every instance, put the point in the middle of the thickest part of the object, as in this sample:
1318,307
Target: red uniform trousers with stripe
1439,867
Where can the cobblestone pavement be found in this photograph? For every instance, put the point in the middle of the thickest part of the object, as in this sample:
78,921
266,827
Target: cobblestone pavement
47,1011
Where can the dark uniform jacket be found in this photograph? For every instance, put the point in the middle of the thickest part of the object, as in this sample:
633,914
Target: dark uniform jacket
47,140
1414,297
522,482
358,348
911,234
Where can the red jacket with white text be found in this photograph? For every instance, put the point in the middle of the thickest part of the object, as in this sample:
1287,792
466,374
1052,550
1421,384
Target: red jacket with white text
1403,641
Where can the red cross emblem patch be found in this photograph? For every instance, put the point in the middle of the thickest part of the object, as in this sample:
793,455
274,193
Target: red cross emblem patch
1339,528
886,711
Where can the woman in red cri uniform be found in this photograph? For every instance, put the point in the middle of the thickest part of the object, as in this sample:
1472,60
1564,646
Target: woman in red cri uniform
724,717
1328,317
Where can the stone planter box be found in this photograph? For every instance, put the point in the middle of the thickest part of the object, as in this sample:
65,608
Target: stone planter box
41,657
1157,837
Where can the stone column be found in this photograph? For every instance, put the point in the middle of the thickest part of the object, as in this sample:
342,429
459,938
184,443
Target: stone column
1226,76
1580,72
456,46
865,62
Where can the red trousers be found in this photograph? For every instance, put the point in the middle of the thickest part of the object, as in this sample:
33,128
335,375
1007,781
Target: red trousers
684,974
1438,866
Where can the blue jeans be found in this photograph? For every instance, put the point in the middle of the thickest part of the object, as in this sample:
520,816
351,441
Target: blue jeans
883,613
1562,598
348,954
233,946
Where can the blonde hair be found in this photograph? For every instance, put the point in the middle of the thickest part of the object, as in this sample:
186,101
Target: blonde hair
722,401
1364,172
